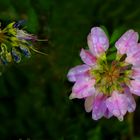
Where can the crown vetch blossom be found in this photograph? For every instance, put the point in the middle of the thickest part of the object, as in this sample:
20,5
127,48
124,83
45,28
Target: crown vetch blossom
108,86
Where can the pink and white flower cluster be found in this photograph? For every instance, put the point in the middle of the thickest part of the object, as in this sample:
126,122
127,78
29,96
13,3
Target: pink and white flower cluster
108,87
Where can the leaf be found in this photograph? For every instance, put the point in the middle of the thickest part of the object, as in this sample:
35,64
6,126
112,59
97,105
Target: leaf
116,34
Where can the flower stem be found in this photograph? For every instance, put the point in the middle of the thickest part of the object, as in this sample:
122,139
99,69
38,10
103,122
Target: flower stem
130,125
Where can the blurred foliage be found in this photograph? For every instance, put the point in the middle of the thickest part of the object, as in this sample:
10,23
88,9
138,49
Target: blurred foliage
34,100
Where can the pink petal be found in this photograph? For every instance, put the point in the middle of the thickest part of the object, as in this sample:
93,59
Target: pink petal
83,88
135,87
87,57
130,100
78,71
134,59
136,73
133,49
97,41
89,103
117,105
99,107
127,40
108,114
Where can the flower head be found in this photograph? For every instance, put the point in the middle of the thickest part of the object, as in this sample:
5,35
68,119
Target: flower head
108,86
15,42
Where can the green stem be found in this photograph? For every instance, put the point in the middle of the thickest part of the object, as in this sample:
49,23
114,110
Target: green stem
130,125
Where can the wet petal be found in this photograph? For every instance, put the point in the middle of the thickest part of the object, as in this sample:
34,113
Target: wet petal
78,71
87,57
133,49
136,73
83,88
117,105
97,41
99,107
108,114
89,103
134,59
127,40
130,100
135,87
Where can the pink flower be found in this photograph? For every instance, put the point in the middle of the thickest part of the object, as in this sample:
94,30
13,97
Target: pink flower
108,87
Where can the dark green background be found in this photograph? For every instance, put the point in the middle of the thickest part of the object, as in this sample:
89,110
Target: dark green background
34,94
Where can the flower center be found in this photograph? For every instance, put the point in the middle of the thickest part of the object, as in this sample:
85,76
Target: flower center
110,76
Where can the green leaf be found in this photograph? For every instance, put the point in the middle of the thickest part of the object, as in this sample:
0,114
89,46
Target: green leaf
116,34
